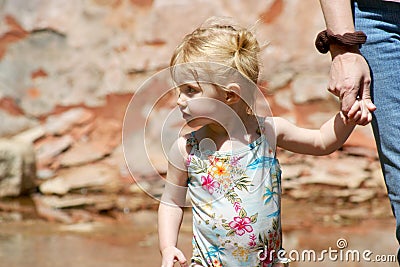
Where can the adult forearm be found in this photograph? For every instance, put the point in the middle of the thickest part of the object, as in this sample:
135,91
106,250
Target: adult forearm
338,15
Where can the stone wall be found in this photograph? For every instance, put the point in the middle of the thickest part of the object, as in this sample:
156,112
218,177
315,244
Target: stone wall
68,70
64,53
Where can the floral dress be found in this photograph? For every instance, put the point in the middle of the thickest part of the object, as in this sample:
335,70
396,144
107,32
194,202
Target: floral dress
236,205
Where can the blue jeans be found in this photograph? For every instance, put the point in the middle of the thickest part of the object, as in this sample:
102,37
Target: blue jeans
380,20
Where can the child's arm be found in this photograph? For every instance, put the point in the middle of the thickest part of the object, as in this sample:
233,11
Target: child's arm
170,212
326,140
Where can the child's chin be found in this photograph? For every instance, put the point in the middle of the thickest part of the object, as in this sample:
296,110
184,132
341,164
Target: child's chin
195,123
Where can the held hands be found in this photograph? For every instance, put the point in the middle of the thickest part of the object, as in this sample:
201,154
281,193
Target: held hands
170,255
358,113
350,80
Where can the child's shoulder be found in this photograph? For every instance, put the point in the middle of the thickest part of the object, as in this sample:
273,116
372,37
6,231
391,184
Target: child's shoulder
268,123
181,144
179,152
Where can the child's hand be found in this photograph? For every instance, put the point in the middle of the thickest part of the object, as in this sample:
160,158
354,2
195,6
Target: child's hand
170,255
358,114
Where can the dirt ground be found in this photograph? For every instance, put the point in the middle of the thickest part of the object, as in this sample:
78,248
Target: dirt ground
132,241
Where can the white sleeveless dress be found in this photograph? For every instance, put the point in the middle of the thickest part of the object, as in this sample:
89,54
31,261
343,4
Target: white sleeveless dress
236,205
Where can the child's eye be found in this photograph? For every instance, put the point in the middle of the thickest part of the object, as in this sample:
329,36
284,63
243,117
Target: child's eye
190,90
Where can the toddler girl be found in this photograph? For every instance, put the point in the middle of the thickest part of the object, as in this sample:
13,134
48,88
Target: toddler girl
228,163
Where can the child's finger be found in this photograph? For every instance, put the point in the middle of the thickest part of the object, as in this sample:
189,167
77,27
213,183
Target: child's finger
369,116
365,115
357,116
181,258
353,110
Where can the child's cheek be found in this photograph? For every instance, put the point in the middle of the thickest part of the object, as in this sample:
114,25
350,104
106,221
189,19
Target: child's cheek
209,108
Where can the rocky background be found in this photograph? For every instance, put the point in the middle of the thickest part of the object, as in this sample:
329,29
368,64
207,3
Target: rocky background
68,70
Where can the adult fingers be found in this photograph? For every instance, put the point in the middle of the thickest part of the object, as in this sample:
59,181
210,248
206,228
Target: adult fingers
348,96
365,94
344,118
370,106
332,89
366,115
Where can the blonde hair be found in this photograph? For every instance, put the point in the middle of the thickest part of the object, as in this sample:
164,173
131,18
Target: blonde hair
221,43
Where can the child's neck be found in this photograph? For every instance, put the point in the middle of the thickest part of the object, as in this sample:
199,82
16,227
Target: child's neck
235,132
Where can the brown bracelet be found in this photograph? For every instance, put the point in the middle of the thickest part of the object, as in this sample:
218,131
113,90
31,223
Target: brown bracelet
326,38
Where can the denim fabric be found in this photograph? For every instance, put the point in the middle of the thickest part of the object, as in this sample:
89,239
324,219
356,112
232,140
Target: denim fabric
380,20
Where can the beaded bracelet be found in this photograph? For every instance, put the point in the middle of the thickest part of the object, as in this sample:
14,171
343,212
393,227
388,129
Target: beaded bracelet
326,38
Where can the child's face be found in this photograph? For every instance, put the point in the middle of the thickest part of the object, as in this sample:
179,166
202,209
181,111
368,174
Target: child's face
201,104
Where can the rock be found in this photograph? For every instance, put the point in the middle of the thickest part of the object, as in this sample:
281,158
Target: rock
291,171
43,50
80,227
300,193
280,80
117,160
17,167
59,124
53,147
44,174
104,138
376,180
362,194
284,99
82,153
356,213
97,176
346,172
361,151
317,119
130,204
31,135
15,123
49,213
362,137
309,87
73,200
41,14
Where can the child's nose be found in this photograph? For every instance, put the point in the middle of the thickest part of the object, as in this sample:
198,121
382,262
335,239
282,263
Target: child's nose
181,101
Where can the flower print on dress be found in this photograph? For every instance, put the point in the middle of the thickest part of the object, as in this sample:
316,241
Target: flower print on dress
241,253
209,184
261,162
241,225
189,159
253,239
235,160
219,169
214,254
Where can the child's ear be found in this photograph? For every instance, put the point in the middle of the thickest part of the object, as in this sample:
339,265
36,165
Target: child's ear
232,93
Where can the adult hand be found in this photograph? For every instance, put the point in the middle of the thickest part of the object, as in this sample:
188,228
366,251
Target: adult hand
358,114
170,255
350,79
